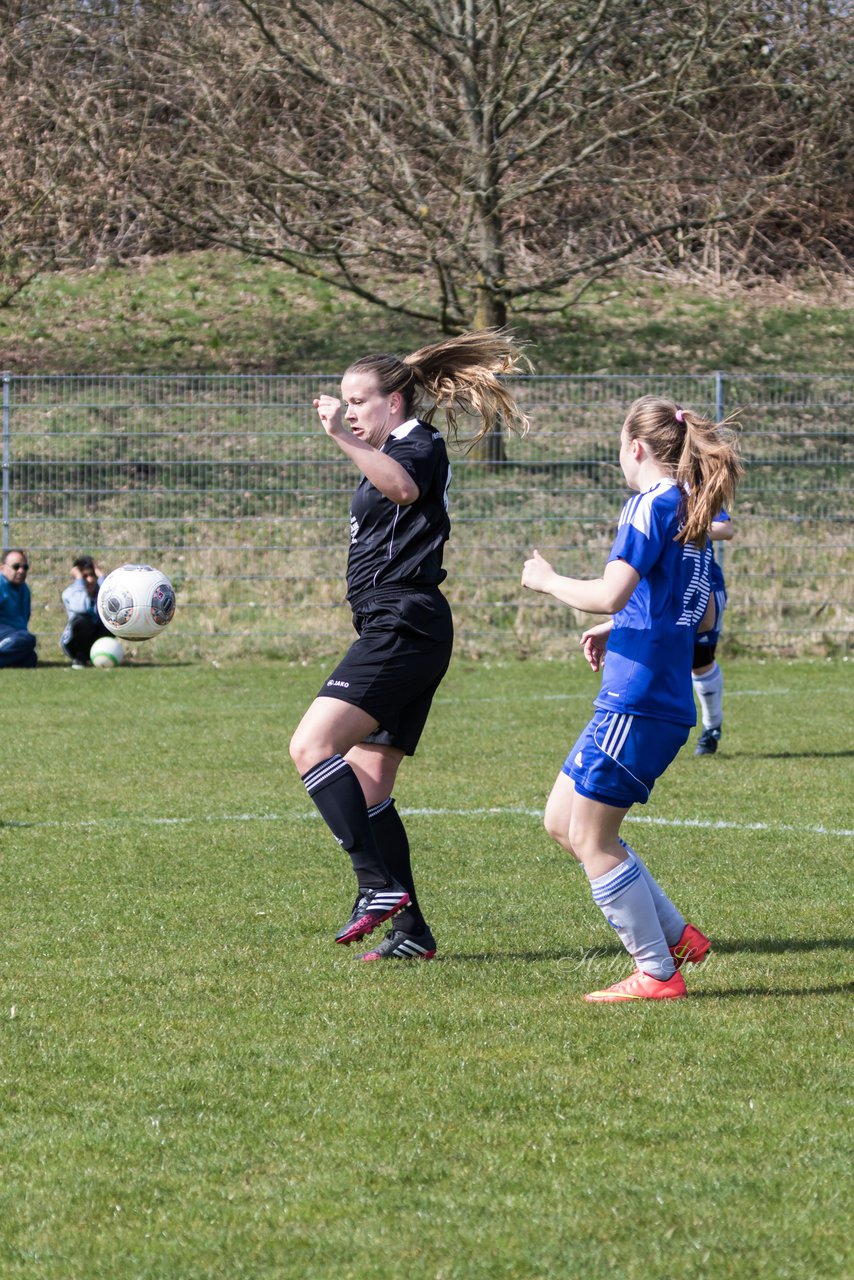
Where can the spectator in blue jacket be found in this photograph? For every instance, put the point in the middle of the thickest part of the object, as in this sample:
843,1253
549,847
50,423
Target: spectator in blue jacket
84,625
17,643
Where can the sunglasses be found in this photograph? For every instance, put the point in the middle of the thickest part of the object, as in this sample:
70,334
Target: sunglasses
20,565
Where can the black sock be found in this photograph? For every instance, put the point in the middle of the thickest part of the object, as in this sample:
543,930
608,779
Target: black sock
393,844
335,789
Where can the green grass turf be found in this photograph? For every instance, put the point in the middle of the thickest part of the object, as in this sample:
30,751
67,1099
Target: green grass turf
197,1083
219,311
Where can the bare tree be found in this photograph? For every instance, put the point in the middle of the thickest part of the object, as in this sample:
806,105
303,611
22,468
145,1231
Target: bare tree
457,161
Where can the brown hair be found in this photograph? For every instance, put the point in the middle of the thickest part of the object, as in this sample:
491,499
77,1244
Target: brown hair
702,455
458,375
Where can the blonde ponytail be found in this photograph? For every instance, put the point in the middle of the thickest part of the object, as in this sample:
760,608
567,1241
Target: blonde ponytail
709,470
460,375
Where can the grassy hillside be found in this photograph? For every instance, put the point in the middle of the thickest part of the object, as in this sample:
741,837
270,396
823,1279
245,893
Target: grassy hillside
217,311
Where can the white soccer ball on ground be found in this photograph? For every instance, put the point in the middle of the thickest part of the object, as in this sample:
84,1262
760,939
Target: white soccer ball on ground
136,602
107,651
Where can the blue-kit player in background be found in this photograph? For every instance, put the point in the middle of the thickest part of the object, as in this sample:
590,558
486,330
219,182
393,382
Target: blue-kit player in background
656,584
706,674
17,642
371,710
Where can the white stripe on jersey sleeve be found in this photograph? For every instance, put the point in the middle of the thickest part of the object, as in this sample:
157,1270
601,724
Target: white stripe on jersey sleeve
638,511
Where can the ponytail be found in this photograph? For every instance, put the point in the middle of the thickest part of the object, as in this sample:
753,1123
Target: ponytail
461,375
709,471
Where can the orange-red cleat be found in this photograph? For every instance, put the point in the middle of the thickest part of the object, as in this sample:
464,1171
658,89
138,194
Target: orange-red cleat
640,986
692,947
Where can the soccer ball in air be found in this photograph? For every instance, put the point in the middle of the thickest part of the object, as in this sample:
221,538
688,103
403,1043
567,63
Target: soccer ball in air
107,652
136,602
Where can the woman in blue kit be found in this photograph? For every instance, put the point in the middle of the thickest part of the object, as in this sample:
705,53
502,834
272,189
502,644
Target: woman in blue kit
656,584
372,709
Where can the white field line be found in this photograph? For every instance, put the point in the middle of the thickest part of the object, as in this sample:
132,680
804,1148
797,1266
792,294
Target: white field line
588,697
501,812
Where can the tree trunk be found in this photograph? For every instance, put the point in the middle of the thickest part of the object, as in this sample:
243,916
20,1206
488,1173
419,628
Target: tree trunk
491,313
490,289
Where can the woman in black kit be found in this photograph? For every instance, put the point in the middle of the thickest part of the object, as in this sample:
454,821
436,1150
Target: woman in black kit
371,711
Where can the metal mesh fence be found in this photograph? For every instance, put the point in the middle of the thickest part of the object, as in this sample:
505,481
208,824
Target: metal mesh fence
229,485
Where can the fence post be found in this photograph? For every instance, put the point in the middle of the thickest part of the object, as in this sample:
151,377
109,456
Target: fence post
720,396
720,414
7,387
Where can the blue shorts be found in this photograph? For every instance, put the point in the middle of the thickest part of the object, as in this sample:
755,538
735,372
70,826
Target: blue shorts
618,757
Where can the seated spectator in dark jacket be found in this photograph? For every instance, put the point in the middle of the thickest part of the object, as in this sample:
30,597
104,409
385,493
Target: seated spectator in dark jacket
17,643
84,625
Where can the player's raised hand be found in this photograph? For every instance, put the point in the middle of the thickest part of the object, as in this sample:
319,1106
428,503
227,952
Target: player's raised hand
537,572
329,410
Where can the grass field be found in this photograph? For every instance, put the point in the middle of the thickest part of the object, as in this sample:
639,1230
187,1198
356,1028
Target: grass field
197,1083
219,311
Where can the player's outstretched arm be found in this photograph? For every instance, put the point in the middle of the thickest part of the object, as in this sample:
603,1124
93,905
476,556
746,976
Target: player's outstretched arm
607,594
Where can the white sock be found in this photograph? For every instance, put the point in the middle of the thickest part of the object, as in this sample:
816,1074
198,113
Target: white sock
670,918
709,689
627,904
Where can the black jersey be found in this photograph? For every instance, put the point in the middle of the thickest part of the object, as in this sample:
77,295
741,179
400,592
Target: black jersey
395,546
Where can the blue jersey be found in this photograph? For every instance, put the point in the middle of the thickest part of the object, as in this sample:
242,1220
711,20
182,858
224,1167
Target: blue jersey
647,669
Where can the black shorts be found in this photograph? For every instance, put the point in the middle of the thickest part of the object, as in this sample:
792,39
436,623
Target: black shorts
397,664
